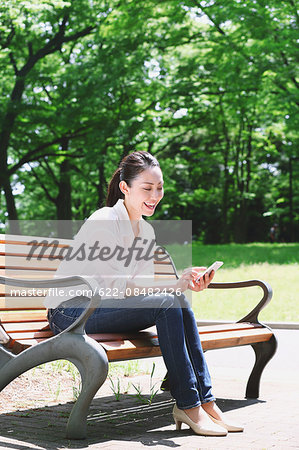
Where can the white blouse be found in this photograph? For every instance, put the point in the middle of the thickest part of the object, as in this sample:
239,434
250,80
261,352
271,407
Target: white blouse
106,250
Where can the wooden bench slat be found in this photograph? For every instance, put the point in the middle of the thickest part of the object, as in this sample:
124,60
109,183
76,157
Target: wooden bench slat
128,349
26,271
133,352
7,291
23,344
21,248
99,337
32,263
8,251
235,338
122,349
228,327
21,303
31,274
23,275
24,326
25,335
243,337
165,269
8,239
22,316
20,264
46,259
164,262
19,239
164,276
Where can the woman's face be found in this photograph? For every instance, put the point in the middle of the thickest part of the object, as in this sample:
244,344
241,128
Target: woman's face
145,193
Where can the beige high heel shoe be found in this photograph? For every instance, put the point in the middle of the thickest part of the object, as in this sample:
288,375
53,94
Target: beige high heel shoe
205,428
229,427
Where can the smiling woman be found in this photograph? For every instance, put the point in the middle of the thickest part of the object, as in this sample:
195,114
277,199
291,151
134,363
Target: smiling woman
134,191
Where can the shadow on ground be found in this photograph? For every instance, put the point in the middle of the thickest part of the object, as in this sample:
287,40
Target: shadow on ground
126,420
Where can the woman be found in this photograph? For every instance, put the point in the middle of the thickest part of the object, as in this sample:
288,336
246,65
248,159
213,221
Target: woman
134,191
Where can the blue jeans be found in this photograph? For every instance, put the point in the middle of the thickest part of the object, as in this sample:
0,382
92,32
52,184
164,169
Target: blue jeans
189,378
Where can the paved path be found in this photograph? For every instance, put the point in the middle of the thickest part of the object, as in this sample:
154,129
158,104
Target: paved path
272,422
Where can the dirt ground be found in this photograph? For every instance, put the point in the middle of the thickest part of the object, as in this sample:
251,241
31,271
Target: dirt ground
50,385
38,387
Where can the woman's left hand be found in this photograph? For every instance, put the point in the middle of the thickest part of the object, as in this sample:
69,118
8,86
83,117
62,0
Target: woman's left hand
203,282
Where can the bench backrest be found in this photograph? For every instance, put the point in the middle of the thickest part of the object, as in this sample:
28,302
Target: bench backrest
14,263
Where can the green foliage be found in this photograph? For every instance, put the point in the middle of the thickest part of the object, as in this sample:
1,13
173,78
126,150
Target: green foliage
209,87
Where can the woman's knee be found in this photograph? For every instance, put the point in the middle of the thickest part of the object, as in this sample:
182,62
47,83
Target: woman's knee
170,301
60,319
173,301
184,302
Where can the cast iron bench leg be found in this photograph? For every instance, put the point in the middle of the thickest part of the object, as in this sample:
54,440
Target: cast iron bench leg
89,357
264,351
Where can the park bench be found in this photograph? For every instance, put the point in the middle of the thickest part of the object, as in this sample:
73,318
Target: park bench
26,340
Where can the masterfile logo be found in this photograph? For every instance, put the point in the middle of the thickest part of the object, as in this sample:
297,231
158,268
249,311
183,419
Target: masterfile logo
141,249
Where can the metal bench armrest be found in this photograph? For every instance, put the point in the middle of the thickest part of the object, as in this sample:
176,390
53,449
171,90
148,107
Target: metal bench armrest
252,316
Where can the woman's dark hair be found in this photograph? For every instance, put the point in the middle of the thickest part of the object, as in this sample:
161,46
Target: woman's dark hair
130,167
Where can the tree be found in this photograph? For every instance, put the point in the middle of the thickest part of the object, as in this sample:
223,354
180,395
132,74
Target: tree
62,23
208,87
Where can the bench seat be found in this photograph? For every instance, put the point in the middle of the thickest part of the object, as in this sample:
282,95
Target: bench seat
29,328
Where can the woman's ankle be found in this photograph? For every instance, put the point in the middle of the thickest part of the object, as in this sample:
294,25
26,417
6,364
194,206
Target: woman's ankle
193,413
212,409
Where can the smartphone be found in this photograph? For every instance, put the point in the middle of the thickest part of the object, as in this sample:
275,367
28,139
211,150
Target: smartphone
215,266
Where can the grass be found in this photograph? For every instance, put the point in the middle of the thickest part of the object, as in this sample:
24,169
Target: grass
278,264
127,368
235,255
118,372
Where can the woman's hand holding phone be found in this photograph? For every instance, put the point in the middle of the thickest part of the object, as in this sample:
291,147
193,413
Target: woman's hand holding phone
201,278
197,278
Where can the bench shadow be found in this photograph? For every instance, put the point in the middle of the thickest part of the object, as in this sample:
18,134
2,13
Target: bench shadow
126,420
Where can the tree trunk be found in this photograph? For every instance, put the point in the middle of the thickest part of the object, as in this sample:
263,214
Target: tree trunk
14,226
291,212
7,127
225,198
102,180
101,185
225,228
248,157
241,223
64,198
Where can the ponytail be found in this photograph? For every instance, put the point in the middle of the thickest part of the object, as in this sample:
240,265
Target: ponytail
130,167
114,193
